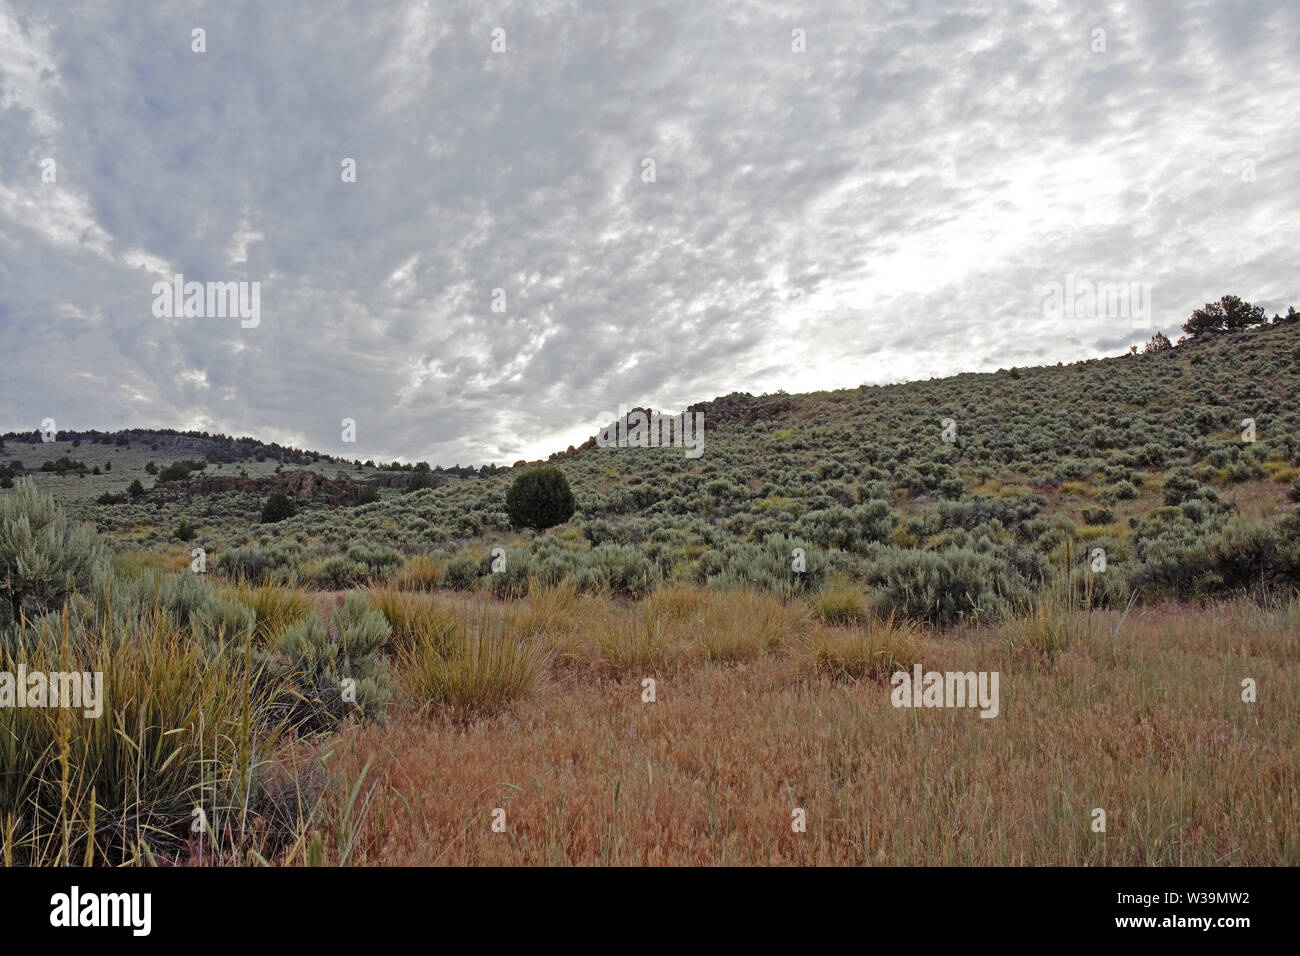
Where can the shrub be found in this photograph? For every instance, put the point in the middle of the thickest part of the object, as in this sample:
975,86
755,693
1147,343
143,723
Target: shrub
322,656
43,557
379,562
540,499
512,580
1243,555
1180,486
1288,539
461,573
278,507
1096,516
1122,490
943,587
223,624
621,569
337,572
554,564
419,479
769,566
849,529
179,470
245,563
64,465
1229,314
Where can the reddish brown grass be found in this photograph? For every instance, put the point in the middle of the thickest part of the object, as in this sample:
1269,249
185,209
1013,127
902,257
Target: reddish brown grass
1147,723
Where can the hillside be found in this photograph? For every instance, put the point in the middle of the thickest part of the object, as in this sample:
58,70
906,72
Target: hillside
1141,455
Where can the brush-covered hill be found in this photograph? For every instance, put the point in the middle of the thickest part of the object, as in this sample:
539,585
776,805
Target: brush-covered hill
1174,470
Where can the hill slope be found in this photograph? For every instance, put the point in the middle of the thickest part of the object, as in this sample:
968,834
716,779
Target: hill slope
981,481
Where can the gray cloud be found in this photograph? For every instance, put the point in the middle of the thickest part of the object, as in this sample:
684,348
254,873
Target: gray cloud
889,204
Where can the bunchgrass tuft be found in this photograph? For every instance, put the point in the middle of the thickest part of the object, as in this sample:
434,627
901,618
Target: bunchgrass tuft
483,671
874,649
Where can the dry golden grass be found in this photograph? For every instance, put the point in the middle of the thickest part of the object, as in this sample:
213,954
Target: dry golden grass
552,615
481,671
1145,721
874,650
420,573
276,607
423,619
840,603
683,626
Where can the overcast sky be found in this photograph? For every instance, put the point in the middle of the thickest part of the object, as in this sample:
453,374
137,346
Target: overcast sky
841,193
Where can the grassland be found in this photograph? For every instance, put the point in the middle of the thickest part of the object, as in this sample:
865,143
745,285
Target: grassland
364,684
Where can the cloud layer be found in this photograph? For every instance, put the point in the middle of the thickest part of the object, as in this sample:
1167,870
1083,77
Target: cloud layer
891,202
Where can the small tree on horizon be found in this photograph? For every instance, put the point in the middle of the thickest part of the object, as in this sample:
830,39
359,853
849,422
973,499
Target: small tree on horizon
1229,314
1159,343
540,499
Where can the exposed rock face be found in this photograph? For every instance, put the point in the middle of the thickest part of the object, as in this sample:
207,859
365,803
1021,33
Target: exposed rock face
742,407
302,486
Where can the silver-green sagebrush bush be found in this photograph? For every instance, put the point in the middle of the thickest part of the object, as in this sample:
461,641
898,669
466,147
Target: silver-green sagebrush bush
44,557
336,665
944,587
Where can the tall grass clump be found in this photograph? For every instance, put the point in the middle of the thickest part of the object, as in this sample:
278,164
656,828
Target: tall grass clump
627,642
178,730
416,618
721,626
275,607
483,671
840,603
552,615
420,573
1064,611
875,649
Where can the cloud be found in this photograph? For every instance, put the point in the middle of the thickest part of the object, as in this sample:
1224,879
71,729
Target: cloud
889,204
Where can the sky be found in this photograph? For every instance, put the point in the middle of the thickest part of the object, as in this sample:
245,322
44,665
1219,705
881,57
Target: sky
561,208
